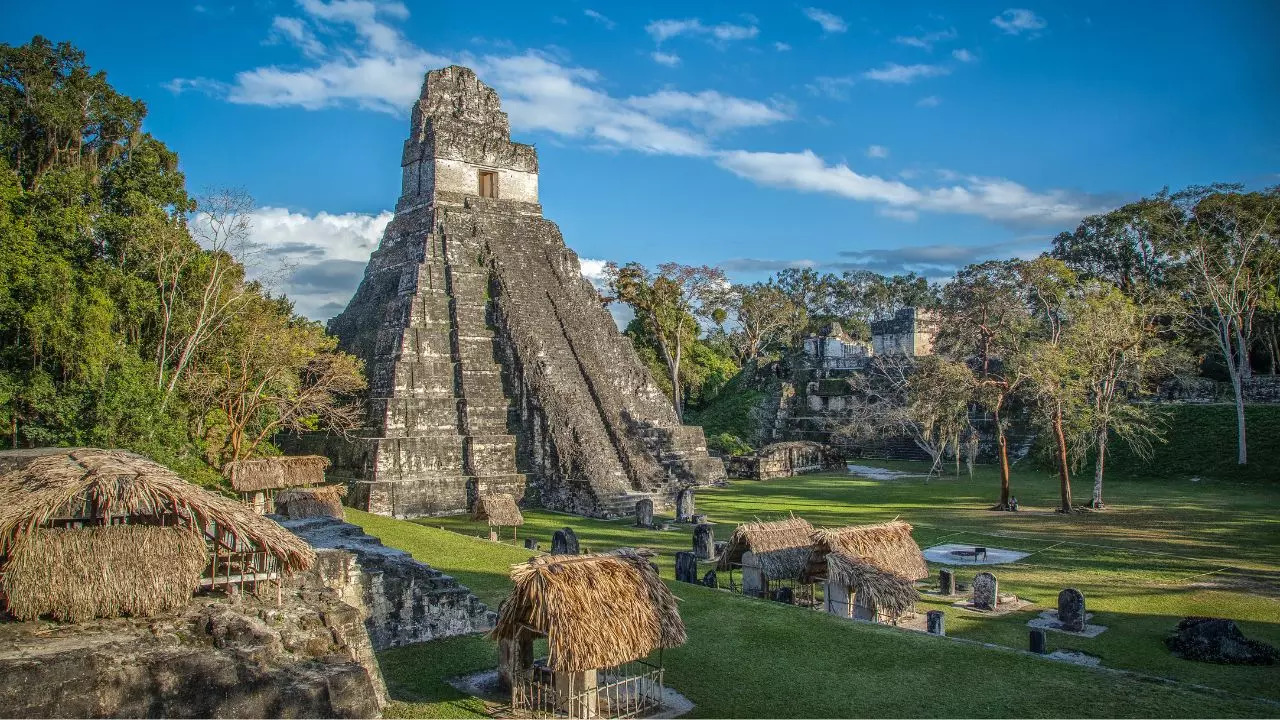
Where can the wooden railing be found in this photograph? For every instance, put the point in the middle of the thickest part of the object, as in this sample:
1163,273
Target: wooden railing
626,691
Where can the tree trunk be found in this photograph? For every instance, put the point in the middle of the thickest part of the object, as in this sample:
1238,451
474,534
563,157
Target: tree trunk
1064,476
675,382
1002,441
1096,503
1242,446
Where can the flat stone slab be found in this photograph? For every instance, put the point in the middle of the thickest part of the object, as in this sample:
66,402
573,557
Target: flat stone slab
877,473
1048,620
1075,657
945,555
1004,608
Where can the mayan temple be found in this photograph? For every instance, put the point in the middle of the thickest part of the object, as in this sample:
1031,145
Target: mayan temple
492,364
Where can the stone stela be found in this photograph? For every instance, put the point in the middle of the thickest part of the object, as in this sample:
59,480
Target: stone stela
492,365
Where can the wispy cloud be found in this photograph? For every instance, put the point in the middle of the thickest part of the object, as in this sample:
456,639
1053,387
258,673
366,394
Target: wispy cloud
926,41
1016,21
929,101
600,18
836,88
992,198
668,59
830,22
937,260
781,46
963,55
877,151
662,30
894,73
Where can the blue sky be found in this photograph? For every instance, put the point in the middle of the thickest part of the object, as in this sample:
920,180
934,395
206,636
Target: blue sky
752,136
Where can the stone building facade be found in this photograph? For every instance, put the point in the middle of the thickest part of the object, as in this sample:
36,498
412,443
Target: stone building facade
908,332
492,364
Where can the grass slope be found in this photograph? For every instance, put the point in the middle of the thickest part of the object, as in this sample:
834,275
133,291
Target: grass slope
752,658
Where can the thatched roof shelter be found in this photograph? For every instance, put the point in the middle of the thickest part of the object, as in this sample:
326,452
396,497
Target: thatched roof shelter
275,473
498,509
889,593
888,546
87,532
297,503
597,611
781,547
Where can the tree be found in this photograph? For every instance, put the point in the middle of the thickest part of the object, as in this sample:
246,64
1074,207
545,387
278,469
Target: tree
668,305
984,322
766,317
1111,342
1227,243
273,371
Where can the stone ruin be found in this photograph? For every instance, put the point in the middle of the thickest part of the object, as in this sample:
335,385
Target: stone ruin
493,365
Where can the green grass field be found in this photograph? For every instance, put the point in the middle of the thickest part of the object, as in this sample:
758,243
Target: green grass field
1165,550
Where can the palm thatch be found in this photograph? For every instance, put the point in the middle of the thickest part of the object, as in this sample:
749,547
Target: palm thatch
93,486
781,547
888,592
274,473
597,611
298,503
499,509
79,574
888,546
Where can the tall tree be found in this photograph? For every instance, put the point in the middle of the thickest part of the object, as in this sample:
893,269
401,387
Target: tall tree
984,323
766,317
668,304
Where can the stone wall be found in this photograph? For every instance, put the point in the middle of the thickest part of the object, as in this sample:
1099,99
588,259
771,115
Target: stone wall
492,365
220,657
405,601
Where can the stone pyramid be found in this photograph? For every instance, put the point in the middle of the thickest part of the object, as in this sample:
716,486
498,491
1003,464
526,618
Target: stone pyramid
493,366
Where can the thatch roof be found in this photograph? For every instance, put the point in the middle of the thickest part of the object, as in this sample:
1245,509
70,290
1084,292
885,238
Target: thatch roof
298,503
597,611
274,473
37,487
498,509
108,571
888,546
781,547
889,593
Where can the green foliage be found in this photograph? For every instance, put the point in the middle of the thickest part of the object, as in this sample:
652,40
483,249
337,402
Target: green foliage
729,444
114,320
734,410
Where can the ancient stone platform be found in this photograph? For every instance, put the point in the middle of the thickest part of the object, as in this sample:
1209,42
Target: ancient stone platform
493,366
408,601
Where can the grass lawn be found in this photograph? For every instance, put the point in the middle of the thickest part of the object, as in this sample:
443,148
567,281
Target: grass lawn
1167,549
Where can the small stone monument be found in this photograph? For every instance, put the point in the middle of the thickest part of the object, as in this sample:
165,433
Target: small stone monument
704,541
686,567
946,582
564,542
644,513
986,591
1071,610
1037,642
530,544
710,579
698,519
684,505
935,619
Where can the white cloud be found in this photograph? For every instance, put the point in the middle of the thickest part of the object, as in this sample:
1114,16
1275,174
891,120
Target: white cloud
781,46
296,32
927,40
708,109
1016,21
929,101
836,88
894,73
877,151
668,59
323,255
830,22
600,18
661,30
963,55
991,198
